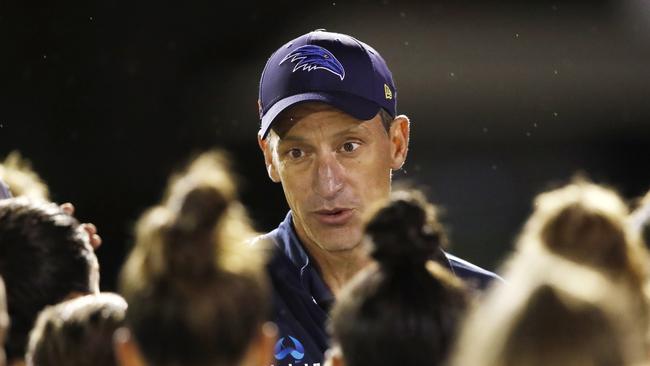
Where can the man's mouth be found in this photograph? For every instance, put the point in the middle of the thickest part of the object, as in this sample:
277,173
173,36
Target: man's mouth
336,216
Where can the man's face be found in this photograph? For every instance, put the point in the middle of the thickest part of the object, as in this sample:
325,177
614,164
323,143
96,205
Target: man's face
333,169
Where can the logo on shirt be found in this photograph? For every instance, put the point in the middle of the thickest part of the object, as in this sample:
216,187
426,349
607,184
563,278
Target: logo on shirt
296,350
311,57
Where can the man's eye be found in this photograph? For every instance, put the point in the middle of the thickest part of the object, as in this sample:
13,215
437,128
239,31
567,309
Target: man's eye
295,153
350,146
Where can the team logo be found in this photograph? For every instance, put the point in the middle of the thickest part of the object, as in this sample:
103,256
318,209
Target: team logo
297,351
312,57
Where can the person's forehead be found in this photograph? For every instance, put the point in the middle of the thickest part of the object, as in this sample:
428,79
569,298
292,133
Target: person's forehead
314,113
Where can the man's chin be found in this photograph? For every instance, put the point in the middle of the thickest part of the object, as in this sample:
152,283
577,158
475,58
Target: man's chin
339,240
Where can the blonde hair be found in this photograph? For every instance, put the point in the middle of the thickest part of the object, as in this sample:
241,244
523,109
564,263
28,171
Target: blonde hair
576,291
555,312
22,180
586,223
193,275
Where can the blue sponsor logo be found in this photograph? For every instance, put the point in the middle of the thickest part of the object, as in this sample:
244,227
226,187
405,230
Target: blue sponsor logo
296,350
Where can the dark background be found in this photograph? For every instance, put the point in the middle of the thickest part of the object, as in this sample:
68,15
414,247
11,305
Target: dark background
506,98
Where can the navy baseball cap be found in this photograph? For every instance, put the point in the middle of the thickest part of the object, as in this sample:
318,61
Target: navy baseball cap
327,67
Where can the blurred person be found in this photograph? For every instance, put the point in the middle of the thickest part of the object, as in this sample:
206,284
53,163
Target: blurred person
555,312
196,290
586,223
576,265
77,332
330,134
405,309
45,258
19,179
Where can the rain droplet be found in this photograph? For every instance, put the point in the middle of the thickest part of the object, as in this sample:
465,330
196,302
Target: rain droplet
516,35
535,124
528,134
44,57
452,74
494,167
555,72
554,114
402,14
406,43
91,18
333,4
485,130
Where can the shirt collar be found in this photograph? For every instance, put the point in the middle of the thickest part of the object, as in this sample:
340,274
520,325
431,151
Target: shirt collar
293,248
309,276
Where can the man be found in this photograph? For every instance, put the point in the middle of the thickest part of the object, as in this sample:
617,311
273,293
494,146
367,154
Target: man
331,136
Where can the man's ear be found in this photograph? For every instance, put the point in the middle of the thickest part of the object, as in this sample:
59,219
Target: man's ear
126,350
399,141
266,148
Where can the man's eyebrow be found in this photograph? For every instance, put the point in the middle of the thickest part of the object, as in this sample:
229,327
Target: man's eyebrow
291,138
353,129
357,128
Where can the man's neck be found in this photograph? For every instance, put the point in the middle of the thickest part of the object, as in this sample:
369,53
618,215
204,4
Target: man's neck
337,267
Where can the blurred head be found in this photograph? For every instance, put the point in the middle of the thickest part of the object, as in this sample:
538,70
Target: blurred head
333,168
403,310
196,290
77,332
576,289
45,258
21,179
572,316
585,223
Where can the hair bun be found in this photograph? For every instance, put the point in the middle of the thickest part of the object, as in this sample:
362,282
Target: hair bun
405,232
197,201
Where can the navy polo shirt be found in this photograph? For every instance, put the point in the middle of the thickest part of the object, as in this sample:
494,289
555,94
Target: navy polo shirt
302,300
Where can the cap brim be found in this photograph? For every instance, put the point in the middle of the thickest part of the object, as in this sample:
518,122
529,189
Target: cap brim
353,105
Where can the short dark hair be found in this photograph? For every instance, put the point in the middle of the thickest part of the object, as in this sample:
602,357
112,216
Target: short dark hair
44,257
407,302
196,291
386,119
77,332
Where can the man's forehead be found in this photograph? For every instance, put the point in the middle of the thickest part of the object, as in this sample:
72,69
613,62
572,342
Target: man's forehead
305,111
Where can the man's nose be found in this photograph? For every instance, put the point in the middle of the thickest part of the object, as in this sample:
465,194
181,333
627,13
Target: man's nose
329,178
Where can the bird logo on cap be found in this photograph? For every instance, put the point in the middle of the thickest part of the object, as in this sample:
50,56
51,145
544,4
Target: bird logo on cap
311,57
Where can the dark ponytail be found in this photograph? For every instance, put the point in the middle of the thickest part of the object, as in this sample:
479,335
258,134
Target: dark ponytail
405,309
405,233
